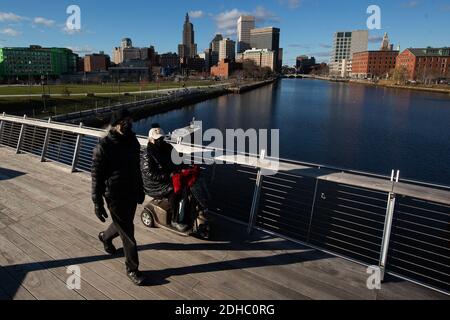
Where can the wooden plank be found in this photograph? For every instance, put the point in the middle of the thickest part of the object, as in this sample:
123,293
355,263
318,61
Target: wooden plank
115,271
40,283
58,252
177,287
215,281
13,288
87,291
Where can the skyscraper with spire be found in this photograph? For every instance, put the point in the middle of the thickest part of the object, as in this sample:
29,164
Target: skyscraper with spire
188,49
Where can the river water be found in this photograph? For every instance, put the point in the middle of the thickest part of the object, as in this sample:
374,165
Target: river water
351,126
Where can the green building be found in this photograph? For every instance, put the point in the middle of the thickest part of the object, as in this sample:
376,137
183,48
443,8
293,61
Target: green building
35,61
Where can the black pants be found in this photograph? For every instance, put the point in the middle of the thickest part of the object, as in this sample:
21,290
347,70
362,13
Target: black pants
122,214
174,202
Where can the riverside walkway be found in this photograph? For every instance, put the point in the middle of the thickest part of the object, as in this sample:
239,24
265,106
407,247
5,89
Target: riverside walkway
47,224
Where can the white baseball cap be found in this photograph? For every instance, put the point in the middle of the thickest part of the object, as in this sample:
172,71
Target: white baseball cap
156,133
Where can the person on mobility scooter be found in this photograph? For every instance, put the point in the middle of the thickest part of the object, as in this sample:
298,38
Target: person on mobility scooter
179,201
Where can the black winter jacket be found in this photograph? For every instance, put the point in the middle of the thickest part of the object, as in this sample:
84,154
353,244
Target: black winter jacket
156,167
116,173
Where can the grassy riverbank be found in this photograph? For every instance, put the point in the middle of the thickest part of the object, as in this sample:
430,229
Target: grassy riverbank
34,106
99,88
436,88
59,102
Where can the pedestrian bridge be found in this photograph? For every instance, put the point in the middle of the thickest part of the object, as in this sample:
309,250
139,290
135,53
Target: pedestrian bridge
314,231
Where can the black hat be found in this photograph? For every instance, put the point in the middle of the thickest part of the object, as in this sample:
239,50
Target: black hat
119,115
155,125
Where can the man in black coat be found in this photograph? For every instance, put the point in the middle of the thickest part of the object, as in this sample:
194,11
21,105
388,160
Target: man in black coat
116,176
157,170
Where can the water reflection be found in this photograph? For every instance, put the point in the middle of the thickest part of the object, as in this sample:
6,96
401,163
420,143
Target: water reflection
347,125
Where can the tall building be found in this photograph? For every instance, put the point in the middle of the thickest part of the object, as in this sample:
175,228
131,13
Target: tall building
227,49
267,38
215,43
188,49
36,61
96,62
425,64
126,43
214,47
244,26
118,52
262,58
345,44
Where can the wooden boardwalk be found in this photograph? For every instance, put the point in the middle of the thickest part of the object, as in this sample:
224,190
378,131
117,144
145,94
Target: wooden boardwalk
47,224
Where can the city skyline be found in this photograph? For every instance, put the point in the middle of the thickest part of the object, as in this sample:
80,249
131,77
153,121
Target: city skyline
307,27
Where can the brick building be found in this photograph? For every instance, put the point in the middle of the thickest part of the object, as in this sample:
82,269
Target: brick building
425,64
371,64
96,62
224,69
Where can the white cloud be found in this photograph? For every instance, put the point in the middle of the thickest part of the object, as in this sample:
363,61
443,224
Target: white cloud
10,32
82,50
44,22
9,16
226,22
196,14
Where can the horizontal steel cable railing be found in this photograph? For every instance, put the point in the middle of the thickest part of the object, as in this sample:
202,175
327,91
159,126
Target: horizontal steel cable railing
403,227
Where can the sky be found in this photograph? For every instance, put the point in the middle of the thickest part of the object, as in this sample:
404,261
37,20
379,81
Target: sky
307,26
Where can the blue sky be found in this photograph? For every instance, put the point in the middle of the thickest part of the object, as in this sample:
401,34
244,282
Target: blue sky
307,26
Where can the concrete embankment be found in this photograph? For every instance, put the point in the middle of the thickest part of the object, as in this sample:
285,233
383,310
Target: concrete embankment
380,84
142,109
251,86
404,87
147,108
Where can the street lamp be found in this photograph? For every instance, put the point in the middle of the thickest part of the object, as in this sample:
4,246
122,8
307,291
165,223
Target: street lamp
43,93
29,75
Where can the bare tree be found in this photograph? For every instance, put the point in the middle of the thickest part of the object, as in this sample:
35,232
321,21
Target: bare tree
400,75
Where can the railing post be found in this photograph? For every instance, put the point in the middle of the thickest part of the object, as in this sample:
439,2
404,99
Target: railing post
255,202
46,139
388,226
76,152
22,132
256,197
313,206
1,128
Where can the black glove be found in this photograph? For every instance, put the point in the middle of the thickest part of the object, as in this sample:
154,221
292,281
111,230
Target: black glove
141,197
100,212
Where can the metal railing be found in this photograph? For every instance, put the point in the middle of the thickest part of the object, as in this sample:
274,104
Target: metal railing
401,227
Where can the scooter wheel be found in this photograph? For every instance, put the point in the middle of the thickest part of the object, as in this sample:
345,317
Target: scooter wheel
147,219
